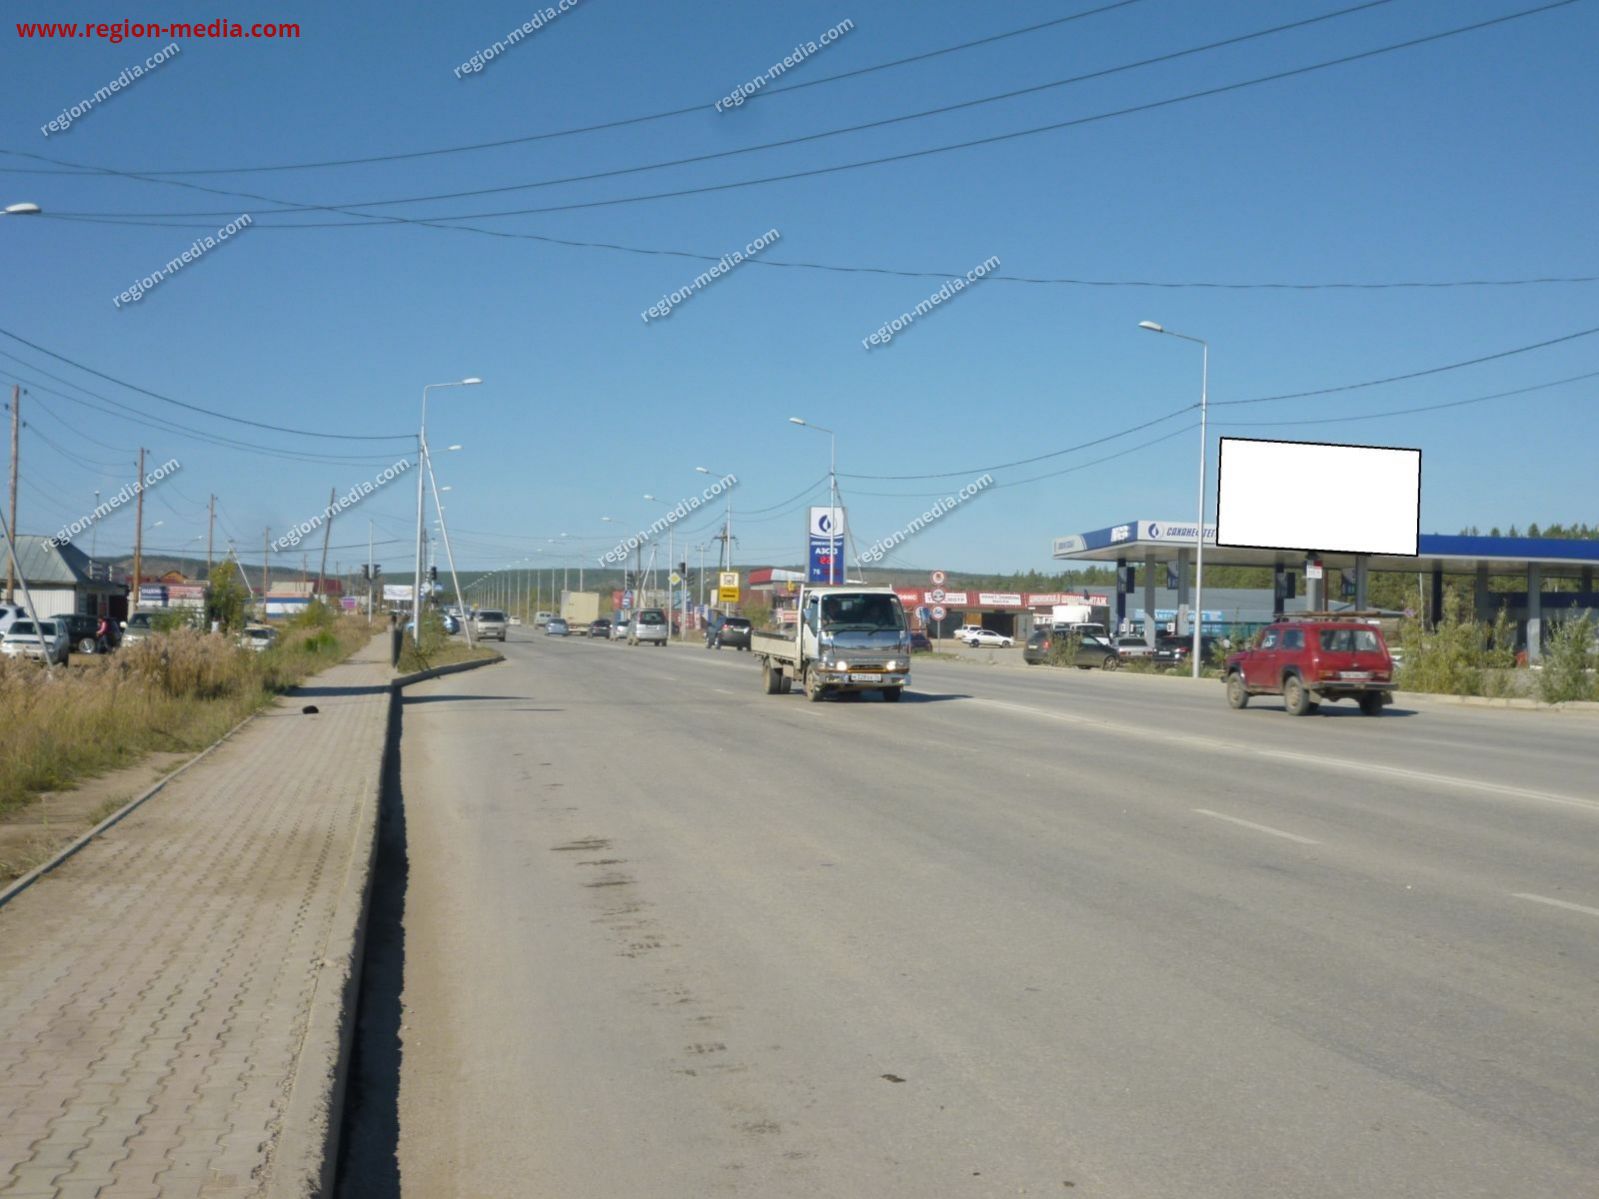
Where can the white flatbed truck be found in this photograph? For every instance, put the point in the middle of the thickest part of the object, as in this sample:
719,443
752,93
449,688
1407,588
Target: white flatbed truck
846,639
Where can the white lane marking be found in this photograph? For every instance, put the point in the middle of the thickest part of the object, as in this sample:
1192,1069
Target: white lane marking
1259,828
1336,765
1556,903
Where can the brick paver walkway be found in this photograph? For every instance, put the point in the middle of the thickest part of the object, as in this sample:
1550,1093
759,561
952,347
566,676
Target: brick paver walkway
155,990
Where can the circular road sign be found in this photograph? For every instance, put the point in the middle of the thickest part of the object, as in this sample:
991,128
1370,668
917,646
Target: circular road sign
938,578
936,595
938,612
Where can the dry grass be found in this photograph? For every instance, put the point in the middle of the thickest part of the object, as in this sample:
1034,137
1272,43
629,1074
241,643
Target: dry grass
174,691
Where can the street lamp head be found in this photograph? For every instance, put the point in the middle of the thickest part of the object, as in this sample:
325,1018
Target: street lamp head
473,381
649,497
22,210
704,470
794,420
453,447
1151,326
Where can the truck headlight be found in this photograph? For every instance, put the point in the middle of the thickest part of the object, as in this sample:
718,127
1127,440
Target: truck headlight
842,665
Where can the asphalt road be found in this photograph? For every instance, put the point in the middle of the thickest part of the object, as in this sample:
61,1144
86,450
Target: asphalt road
1027,932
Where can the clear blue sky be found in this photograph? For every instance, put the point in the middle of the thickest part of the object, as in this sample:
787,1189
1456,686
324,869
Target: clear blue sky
1469,158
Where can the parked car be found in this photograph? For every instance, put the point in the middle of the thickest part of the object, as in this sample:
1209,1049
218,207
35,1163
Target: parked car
46,640
1177,651
733,633
258,637
920,641
137,627
9,613
1092,652
599,629
1133,647
556,626
489,623
83,633
989,638
648,627
1309,661
965,632
540,619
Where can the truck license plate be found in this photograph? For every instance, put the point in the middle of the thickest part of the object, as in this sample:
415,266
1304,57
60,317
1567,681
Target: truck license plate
865,678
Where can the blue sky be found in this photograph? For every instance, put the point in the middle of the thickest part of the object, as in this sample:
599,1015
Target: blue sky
1469,158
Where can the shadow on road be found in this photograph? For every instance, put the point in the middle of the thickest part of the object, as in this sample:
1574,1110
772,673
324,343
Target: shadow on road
454,699
369,1166
371,689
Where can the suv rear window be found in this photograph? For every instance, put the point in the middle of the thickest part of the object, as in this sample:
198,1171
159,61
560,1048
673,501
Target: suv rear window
1357,641
736,622
500,616
651,618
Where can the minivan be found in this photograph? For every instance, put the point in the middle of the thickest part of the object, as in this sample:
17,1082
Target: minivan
648,625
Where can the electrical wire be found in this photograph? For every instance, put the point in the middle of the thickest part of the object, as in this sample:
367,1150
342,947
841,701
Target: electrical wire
617,124
1149,106
68,454
1432,370
1329,420
239,420
783,143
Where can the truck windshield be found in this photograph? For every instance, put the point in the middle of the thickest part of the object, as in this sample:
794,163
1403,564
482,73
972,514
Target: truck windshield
861,613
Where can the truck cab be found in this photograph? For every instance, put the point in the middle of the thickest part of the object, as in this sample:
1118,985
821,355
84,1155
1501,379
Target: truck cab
846,639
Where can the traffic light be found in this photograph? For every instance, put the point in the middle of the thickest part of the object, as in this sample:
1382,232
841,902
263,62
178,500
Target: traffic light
627,580
682,570
433,574
366,572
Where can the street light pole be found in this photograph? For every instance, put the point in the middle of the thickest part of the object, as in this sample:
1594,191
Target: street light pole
1199,533
421,452
832,495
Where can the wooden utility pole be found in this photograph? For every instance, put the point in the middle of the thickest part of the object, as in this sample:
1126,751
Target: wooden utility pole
210,533
16,425
327,529
138,536
266,565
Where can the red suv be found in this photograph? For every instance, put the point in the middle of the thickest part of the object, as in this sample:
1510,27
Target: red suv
1324,659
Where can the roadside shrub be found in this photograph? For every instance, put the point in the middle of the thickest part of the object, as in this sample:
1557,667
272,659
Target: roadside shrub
1459,655
1569,662
1063,648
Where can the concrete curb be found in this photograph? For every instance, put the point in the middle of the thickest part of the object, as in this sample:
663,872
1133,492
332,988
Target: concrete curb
27,880
305,1162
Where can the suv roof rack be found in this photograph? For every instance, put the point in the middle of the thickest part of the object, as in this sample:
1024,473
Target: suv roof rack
1351,614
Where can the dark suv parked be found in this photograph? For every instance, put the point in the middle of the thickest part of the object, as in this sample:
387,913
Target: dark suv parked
82,633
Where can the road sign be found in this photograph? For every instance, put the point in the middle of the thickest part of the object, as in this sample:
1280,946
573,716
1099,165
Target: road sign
727,587
1312,568
936,595
938,612
676,578
938,578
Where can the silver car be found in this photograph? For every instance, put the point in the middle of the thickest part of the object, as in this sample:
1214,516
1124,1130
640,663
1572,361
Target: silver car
648,627
47,641
490,623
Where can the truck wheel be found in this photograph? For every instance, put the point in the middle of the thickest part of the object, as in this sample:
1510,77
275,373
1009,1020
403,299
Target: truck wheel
1371,703
785,684
891,695
1295,698
814,688
771,679
1237,693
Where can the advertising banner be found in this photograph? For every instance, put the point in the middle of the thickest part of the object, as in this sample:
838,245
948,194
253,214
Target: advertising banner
825,559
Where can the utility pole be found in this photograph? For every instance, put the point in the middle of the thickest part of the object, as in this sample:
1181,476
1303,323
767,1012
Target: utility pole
210,534
327,529
369,579
16,426
266,565
138,534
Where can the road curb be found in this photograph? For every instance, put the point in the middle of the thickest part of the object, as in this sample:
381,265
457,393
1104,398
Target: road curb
27,880
305,1162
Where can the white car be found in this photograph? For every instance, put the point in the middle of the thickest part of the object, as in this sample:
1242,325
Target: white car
49,641
10,613
967,631
989,638
258,637
540,619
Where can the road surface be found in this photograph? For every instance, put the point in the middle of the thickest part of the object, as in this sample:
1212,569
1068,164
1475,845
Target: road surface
1029,932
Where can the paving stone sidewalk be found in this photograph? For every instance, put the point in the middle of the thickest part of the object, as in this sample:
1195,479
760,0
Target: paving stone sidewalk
156,989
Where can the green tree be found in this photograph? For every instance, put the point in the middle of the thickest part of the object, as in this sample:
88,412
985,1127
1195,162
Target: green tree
227,599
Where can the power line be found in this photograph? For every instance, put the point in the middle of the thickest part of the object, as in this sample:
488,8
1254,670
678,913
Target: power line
978,470
1432,370
1150,106
773,145
155,395
617,124
1328,420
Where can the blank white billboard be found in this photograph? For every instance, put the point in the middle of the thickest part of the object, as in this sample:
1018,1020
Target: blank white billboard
1302,495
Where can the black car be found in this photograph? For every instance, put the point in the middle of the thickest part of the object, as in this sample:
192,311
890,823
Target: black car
83,633
920,641
599,628
733,633
1092,652
1178,651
